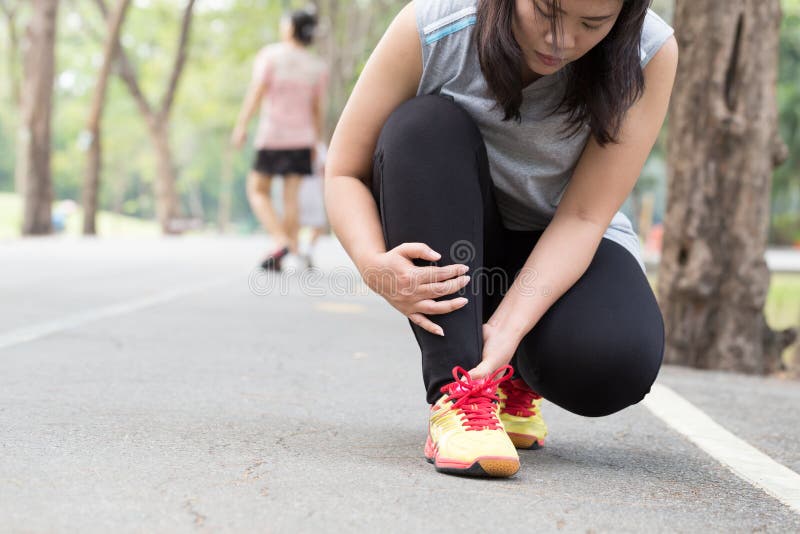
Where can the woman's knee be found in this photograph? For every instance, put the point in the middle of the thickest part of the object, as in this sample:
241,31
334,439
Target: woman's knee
258,186
601,379
428,124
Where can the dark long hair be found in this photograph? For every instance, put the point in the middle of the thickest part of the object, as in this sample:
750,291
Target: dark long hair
600,86
304,22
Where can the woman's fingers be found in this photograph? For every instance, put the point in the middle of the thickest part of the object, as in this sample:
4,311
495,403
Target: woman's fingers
483,369
427,324
427,275
433,307
439,289
417,250
439,307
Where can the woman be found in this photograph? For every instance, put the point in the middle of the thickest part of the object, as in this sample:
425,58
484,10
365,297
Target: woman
500,137
289,84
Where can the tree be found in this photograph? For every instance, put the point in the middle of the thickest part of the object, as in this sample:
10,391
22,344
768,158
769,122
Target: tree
349,33
723,146
94,163
33,137
10,10
785,228
157,119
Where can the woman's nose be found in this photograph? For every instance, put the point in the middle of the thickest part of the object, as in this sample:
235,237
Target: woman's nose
567,40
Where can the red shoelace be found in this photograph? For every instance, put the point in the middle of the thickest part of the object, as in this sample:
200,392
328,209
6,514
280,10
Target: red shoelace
477,399
520,398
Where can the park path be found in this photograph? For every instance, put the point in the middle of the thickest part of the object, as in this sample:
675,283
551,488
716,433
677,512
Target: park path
162,385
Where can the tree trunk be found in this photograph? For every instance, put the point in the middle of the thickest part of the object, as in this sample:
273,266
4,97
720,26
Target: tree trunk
226,179
91,185
167,205
349,31
166,194
723,146
33,137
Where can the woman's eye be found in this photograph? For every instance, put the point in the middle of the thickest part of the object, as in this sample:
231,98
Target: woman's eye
542,13
589,27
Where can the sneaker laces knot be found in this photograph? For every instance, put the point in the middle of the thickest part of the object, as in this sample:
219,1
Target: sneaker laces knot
476,399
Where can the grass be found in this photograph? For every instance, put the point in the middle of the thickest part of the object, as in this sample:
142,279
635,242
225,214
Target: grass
10,215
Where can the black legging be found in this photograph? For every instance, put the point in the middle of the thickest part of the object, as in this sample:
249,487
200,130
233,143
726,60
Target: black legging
595,351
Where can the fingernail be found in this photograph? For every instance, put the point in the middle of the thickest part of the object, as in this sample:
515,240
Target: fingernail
441,332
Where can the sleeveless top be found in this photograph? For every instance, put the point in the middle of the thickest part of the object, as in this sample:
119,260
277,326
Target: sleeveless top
531,162
294,78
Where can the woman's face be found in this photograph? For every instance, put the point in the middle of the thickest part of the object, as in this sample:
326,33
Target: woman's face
584,23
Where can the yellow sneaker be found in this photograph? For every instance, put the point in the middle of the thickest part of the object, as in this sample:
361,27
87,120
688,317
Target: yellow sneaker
465,434
521,414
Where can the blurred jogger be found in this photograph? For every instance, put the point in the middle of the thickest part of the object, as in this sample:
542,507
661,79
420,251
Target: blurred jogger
289,83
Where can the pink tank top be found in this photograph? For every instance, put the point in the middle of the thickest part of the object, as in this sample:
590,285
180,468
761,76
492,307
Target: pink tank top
295,78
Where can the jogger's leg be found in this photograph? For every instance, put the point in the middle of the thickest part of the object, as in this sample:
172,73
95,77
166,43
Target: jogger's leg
260,198
432,185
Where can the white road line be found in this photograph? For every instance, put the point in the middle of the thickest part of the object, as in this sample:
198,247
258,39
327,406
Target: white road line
46,328
739,456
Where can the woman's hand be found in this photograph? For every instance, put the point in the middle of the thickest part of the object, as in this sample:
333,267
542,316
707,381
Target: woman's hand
238,137
499,347
411,289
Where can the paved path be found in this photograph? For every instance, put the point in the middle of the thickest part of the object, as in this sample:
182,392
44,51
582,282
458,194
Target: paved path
163,386
779,260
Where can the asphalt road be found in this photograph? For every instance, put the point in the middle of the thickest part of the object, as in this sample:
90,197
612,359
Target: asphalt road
166,386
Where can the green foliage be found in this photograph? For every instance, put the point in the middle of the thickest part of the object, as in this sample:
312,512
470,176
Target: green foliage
224,39
226,35
6,153
786,182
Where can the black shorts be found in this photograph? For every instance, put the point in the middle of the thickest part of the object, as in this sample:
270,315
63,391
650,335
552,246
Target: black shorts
292,161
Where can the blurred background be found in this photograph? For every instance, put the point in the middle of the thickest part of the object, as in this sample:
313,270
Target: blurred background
154,378
165,108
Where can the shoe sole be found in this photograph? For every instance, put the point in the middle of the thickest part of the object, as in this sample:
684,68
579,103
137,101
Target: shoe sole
271,265
521,441
484,466
494,467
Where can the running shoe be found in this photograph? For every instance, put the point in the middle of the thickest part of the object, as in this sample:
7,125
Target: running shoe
465,434
272,262
521,414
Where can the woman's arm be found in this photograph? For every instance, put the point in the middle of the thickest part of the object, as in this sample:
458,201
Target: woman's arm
390,77
319,110
320,107
255,92
603,179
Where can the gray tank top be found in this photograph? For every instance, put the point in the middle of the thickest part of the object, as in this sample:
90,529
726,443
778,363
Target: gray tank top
531,162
